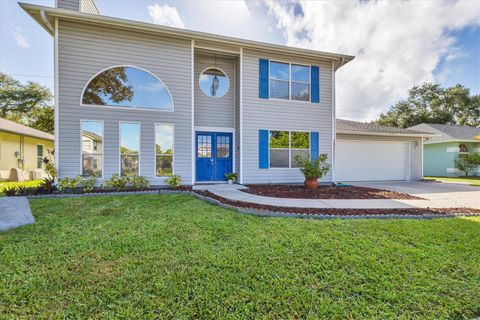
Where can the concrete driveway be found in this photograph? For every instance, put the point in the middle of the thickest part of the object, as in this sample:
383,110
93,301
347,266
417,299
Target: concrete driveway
449,194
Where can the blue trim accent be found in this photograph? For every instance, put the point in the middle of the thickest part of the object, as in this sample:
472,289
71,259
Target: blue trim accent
263,73
315,79
263,142
314,145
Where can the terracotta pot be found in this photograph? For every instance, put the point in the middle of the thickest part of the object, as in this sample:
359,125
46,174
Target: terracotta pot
311,183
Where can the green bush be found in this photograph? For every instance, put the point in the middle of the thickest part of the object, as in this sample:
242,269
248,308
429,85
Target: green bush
313,169
174,181
88,183
117,182
10,191
69,184
231,176
138,182
468,163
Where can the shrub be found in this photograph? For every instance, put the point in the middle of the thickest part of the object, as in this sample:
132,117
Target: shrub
468,163
117,182
174,181
26,191
231,176
313,169
10,191
139,182
68,184
88,183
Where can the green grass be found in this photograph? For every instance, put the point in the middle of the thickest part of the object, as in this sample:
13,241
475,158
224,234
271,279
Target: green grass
472,181
173,256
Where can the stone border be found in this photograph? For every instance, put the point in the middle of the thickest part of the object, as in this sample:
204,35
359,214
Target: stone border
269,213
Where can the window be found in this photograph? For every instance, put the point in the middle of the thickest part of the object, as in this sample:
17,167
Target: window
92,135
213,82
127,87
204,146
285,146
223,146
163,150
289,81
39,156
463,148
129,149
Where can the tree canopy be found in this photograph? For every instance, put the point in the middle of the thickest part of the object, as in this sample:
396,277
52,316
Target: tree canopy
430,103
29,104
111,84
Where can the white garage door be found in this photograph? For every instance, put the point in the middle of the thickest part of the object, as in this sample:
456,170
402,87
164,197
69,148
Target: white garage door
371,160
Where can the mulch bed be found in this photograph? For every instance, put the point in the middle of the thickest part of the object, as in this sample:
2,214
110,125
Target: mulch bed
340,212
325,192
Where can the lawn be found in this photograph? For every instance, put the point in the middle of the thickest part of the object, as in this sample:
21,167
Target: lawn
473,181
174,256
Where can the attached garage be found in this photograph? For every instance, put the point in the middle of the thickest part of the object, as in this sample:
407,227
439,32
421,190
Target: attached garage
369,152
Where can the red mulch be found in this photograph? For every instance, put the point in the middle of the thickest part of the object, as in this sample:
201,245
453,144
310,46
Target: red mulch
339,212
325,192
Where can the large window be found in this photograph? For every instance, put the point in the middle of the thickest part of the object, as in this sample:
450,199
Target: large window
127,87
163,150
92,148
129,149
289,81
285,146
39,156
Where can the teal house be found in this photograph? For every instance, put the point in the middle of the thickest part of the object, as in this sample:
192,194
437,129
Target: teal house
449,144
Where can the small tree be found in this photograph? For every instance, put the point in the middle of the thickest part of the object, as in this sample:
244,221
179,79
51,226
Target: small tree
313,169
468,163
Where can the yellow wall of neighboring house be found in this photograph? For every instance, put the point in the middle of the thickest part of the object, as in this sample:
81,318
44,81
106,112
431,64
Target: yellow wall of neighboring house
11,143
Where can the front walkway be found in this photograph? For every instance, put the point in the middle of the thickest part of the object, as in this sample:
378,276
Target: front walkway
233,193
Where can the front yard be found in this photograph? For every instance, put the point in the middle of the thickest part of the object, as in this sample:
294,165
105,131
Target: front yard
472,181
174,256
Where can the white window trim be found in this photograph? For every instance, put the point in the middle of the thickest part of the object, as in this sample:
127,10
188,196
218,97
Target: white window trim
37,156
113,107
289,147
155,149
290,80
226,75
103,146
120,146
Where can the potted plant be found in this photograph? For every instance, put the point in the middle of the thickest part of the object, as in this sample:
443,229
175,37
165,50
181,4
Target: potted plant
313,169
231,177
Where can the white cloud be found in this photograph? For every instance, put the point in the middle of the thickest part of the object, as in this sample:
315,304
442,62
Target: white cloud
397,44
165,15
17,34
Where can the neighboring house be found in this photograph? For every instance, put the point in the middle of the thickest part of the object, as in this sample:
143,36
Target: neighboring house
23,148
163,101
450,144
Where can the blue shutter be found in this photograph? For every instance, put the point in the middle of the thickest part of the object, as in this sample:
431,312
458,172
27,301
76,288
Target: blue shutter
263,78
313,145
263,149
315,82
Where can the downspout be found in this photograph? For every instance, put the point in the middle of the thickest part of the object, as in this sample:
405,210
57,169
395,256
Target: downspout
49,26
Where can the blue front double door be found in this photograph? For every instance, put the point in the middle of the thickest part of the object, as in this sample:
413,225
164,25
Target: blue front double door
213,155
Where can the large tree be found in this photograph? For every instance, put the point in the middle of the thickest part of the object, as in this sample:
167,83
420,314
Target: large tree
430,103
28,104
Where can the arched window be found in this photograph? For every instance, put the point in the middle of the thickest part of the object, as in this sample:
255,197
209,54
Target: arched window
213,82
463,148
126,86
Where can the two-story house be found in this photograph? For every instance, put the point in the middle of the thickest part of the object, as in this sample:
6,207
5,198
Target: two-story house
162,101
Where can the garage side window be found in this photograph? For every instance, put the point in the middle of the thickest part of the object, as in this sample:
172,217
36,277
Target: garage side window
128,87
92,148
285,146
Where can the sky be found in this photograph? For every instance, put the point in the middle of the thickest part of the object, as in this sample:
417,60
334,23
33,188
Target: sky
397,44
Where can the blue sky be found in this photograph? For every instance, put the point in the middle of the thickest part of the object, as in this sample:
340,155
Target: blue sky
397,44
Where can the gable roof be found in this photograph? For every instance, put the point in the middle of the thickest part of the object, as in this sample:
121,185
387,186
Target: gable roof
46,16
20,129
447,132
355,127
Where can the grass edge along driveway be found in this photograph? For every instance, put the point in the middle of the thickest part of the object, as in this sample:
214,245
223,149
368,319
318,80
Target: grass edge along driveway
471,181
174,256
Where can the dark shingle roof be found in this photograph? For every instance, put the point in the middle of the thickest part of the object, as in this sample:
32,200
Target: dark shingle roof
348,126
449,132
13,127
